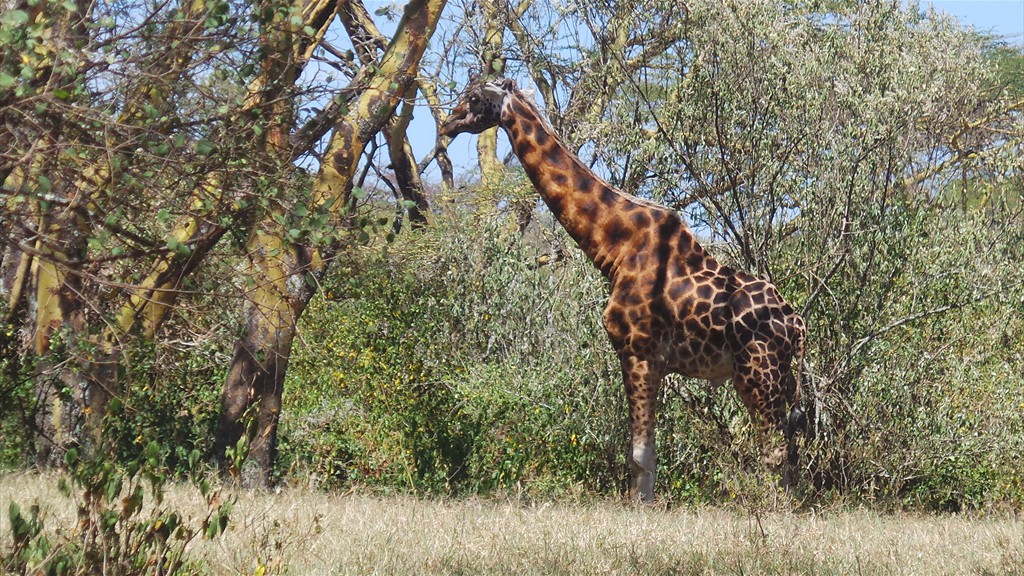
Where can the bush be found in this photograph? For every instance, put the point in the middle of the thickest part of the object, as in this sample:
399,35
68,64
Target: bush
449,364
118,531
452,362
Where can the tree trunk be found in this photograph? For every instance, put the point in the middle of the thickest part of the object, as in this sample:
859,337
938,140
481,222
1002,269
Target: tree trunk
255,382
493,63
403,163
284,271
69,406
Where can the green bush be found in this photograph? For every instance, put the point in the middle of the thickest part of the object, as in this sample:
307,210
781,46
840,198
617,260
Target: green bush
123,526
451,362
172,394
447,364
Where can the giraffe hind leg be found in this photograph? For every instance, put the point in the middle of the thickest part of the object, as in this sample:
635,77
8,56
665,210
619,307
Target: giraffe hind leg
796,422
763,394
793,374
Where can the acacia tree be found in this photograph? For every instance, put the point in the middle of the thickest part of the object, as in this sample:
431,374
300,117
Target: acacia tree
816,148
134,139
111,185
287,262
837,150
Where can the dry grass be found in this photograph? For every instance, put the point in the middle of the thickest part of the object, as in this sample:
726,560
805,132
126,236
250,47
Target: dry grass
307,532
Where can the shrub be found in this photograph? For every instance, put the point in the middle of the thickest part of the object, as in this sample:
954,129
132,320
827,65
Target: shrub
118,531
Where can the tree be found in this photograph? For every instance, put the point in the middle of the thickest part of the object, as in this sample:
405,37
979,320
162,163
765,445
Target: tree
135,138
93,150
286,265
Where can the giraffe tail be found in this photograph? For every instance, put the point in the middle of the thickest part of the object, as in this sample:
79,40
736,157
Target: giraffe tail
797,418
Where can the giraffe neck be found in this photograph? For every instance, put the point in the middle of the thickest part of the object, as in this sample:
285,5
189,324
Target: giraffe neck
590,209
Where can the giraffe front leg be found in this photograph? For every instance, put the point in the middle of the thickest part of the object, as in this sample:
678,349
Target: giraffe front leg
641,383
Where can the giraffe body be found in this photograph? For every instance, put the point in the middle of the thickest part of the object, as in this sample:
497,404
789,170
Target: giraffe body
672,308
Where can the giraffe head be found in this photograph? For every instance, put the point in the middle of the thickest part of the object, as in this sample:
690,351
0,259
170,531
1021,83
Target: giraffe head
479,107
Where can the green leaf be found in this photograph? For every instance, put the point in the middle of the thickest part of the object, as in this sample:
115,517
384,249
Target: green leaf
44,185
178,246
6,80
358,193
163,216
16,17
71,457
300,210
204,147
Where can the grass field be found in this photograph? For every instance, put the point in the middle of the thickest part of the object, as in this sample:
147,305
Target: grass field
296,531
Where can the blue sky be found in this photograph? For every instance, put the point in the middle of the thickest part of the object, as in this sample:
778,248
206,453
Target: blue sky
1002,17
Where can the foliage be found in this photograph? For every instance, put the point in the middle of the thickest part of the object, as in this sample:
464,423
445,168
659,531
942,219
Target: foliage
172,396
120,530
452,362
864,156
429,359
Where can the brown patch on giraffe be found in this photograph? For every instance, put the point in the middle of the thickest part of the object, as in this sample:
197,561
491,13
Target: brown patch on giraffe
523,148
541,139
616,232
555,156
608,196
640,219
522,111
555,204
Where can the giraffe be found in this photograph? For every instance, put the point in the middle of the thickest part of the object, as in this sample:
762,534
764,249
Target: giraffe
672,307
